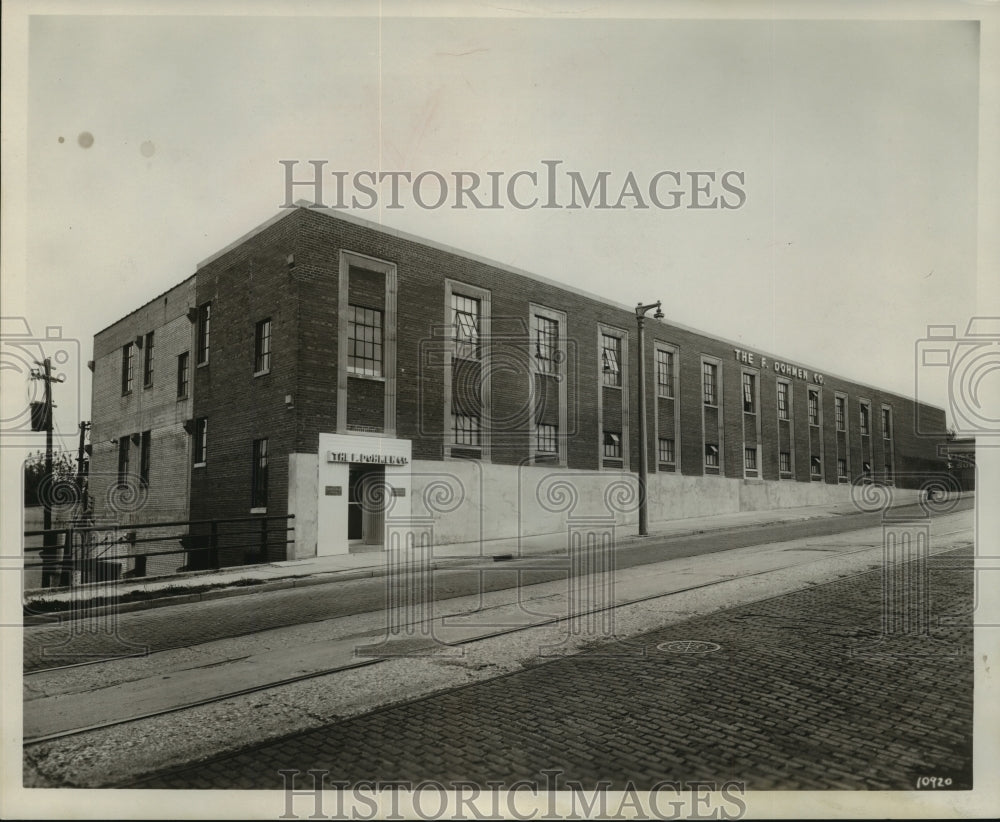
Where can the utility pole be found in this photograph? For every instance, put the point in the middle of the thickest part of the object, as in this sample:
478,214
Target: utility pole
81,487
640,319
49,549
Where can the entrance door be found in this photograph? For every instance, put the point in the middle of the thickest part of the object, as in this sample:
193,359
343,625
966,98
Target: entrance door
365,504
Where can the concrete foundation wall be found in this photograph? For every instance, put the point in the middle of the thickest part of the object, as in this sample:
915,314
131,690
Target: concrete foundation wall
471,501
303,495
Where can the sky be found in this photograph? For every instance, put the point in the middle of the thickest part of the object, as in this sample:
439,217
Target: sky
857,141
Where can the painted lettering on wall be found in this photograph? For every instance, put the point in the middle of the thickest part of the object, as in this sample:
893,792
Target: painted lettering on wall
374,459
785,369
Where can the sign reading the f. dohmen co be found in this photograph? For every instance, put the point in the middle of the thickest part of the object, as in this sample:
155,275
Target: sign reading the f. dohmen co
374,459
783,368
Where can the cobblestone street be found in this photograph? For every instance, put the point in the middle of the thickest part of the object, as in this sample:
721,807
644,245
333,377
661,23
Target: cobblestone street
803,692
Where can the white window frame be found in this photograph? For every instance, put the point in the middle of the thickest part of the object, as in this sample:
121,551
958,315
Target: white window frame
754,374
790,421
888,457
675,389
353,259
561,375
846,431
819,426
719,433
621,334
484,296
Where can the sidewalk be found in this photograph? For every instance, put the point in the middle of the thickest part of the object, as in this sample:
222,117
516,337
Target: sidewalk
42,605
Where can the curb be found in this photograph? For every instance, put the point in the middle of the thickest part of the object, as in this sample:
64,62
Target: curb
83,611
329,577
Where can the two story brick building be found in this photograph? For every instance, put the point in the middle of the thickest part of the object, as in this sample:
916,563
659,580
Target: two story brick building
364,380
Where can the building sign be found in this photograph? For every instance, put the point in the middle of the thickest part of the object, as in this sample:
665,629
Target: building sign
374,459
784,369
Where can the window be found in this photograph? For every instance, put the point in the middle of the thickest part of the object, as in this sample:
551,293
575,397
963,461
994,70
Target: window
147,361
886,423
182,375
466,326
364,341
145,447
785,462
813,407
128,355
465,429
262,347
201,441
123,446
709,373
816,466
612,445
258,478
888,472
711,455
840,404
611,350
783,400
204,327
545,438
866,469
750,393
665,373
841,467
667,451
547,344
865,421
750,458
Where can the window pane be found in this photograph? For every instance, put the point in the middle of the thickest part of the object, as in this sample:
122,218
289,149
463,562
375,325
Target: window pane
612,445
546,438
204,329
465,326
262,347
814,408
364,341
465,429
666,450
749,393
147,369
709,383
611,359
547,344
665,373
711,455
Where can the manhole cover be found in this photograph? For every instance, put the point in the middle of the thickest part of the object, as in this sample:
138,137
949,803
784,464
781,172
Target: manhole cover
688,646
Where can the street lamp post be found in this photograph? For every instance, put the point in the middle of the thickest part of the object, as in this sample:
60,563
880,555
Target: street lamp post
640,318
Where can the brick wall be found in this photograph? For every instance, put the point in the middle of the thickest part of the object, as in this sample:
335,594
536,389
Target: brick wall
250,282
254,279
155,408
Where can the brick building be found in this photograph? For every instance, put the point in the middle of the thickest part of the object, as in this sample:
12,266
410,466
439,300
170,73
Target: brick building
140,465
382,387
